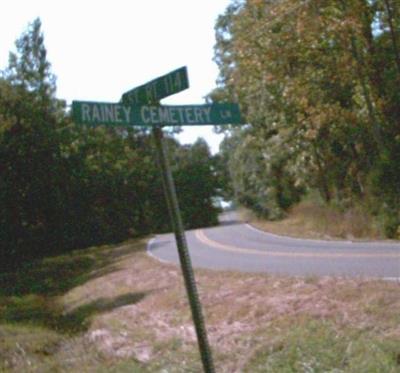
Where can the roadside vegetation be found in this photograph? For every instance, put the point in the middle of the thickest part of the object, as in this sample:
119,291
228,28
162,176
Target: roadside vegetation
312,218
317,82
318,85
64,186
113,308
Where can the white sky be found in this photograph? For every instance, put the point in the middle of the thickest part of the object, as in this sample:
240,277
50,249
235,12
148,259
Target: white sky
101,48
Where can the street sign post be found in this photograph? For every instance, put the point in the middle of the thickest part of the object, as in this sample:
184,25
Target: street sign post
183,252
98,113
140,107
158,88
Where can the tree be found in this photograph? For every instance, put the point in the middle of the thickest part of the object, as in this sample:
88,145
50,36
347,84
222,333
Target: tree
63,186
319,79
196,183
29,68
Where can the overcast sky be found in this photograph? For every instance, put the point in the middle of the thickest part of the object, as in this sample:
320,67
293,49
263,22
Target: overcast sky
101,48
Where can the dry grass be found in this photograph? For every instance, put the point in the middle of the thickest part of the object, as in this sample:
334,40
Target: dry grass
134,316
311,220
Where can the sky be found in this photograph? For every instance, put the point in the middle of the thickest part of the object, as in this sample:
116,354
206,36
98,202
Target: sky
99,49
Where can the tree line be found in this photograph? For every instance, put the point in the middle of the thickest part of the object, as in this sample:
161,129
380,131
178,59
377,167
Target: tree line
318,83
64,186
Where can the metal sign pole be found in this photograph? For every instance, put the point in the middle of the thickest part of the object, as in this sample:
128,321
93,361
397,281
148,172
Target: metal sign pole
186,265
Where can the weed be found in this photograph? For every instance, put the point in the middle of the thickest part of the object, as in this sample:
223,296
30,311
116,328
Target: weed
118,310
319,346
310,219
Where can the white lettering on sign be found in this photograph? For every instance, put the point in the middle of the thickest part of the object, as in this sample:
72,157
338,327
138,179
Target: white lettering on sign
189,115
207,111
154,115
198,113
172,83
148,93
117,117
178,82
151,92
164,114
170,115
226,114
127,111
136,99
85,112
167,84
181,117
104,113
108,113
96,114
144,114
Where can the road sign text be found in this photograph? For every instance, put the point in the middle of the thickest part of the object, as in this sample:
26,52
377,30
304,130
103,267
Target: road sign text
97,113
156,89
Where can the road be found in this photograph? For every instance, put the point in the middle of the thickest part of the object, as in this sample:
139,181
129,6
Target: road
235,245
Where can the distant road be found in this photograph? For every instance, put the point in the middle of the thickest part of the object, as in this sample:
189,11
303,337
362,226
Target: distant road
235,245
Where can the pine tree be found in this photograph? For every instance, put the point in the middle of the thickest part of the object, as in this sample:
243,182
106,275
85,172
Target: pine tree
29,68
30,170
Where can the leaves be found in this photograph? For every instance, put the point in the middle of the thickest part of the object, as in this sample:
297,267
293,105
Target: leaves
64,186
317,78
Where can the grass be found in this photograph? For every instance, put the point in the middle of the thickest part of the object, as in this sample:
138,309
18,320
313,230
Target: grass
311,219
113,308
320,346
39,331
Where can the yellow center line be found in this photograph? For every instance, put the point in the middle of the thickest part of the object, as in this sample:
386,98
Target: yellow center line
201,236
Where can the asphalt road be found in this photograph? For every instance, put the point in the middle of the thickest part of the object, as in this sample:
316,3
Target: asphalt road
235,245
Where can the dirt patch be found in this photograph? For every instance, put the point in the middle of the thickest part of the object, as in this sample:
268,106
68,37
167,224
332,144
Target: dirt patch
119,345
238,307
136,312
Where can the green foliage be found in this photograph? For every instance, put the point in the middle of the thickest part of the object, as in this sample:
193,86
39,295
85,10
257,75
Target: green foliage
318,86
317,346
31,169
40,329
196,181
261,179
41,276
385,184
29,68
63,186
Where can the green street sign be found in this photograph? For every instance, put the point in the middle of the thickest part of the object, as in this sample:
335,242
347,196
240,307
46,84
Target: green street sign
140,107
98,113
156,89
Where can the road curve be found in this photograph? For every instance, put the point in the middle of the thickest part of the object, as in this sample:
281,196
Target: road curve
235,245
